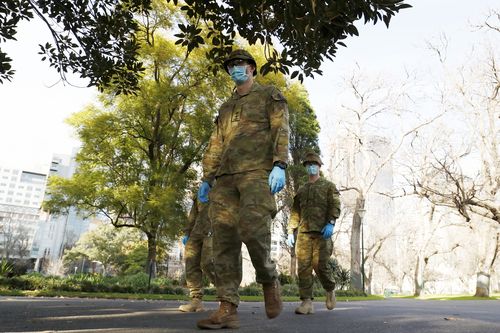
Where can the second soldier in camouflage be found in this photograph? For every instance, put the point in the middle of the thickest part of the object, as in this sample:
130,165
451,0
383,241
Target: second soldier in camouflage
316,207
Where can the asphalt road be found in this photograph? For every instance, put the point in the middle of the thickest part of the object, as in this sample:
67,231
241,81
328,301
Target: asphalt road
21,314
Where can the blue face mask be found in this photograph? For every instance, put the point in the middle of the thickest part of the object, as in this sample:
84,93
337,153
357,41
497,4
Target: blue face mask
312,169
239,74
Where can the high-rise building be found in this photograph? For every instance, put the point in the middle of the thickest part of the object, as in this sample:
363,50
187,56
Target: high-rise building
58,232
21,195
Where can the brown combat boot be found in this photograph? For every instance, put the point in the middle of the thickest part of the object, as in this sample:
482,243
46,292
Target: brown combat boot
272,298
306,307
225,317
195,305
330,300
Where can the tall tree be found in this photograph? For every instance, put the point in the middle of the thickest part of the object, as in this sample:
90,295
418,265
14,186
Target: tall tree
370,134
137,152
460,171
112,247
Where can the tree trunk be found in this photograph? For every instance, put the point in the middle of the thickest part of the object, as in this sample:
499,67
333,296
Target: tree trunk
151,264
482,285
421,263
419,275
368,280
293,264
356,279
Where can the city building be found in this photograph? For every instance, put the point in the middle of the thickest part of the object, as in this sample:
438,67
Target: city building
21,195
26,231
57,232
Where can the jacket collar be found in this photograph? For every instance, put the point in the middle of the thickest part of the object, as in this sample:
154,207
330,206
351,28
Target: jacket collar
255,87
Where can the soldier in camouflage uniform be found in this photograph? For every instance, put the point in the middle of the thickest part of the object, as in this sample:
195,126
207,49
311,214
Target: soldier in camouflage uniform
198,255
247,154
315,209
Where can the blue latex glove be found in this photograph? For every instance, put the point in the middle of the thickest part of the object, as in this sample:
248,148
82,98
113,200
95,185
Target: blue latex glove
327,231
277,179
185,239
203,192
290,240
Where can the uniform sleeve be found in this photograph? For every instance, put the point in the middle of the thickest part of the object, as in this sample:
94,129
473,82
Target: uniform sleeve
212,156
279,126
294,216
193,215
333,203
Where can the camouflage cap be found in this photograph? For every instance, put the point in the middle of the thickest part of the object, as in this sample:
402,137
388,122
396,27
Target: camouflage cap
240,54
312,157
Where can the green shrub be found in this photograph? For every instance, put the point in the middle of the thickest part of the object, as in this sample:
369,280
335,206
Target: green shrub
341,275
349,293
291,289
210,291
285,279
253,289
6,268
162,281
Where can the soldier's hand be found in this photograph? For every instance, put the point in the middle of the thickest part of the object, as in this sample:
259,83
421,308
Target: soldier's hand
277,179
327,231
203,192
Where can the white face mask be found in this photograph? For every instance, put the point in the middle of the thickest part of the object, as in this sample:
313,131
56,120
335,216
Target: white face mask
312,169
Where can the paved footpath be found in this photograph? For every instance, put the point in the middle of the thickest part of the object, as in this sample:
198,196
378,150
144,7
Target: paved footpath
22,314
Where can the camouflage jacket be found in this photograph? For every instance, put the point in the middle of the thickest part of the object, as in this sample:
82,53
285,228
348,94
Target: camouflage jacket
251,134
314,205
198,223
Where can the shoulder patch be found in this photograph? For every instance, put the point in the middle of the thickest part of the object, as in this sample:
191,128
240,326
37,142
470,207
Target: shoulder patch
277,95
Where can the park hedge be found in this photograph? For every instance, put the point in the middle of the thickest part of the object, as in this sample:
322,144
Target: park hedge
138,283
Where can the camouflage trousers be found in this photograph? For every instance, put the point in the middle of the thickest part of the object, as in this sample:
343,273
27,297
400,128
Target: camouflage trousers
198,256
241,210
313,252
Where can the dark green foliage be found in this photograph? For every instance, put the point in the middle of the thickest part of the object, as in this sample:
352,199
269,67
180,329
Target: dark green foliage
341,275
285,279
99,39
137,283
15,267
253,289
6,268
308,31
96,39
290,290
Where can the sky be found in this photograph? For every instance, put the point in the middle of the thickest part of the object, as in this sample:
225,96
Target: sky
34,106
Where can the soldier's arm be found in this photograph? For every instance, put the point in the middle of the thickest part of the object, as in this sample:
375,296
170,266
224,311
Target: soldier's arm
279,126
294,221
212,156
333,203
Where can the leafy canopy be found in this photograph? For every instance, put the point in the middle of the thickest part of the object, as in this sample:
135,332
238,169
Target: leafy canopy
96,39
100,39
308,31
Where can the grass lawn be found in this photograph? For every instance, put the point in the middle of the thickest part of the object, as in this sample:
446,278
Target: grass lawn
493,297
41,293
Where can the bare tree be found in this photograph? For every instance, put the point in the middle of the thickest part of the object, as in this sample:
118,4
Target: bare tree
366,146
463,173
